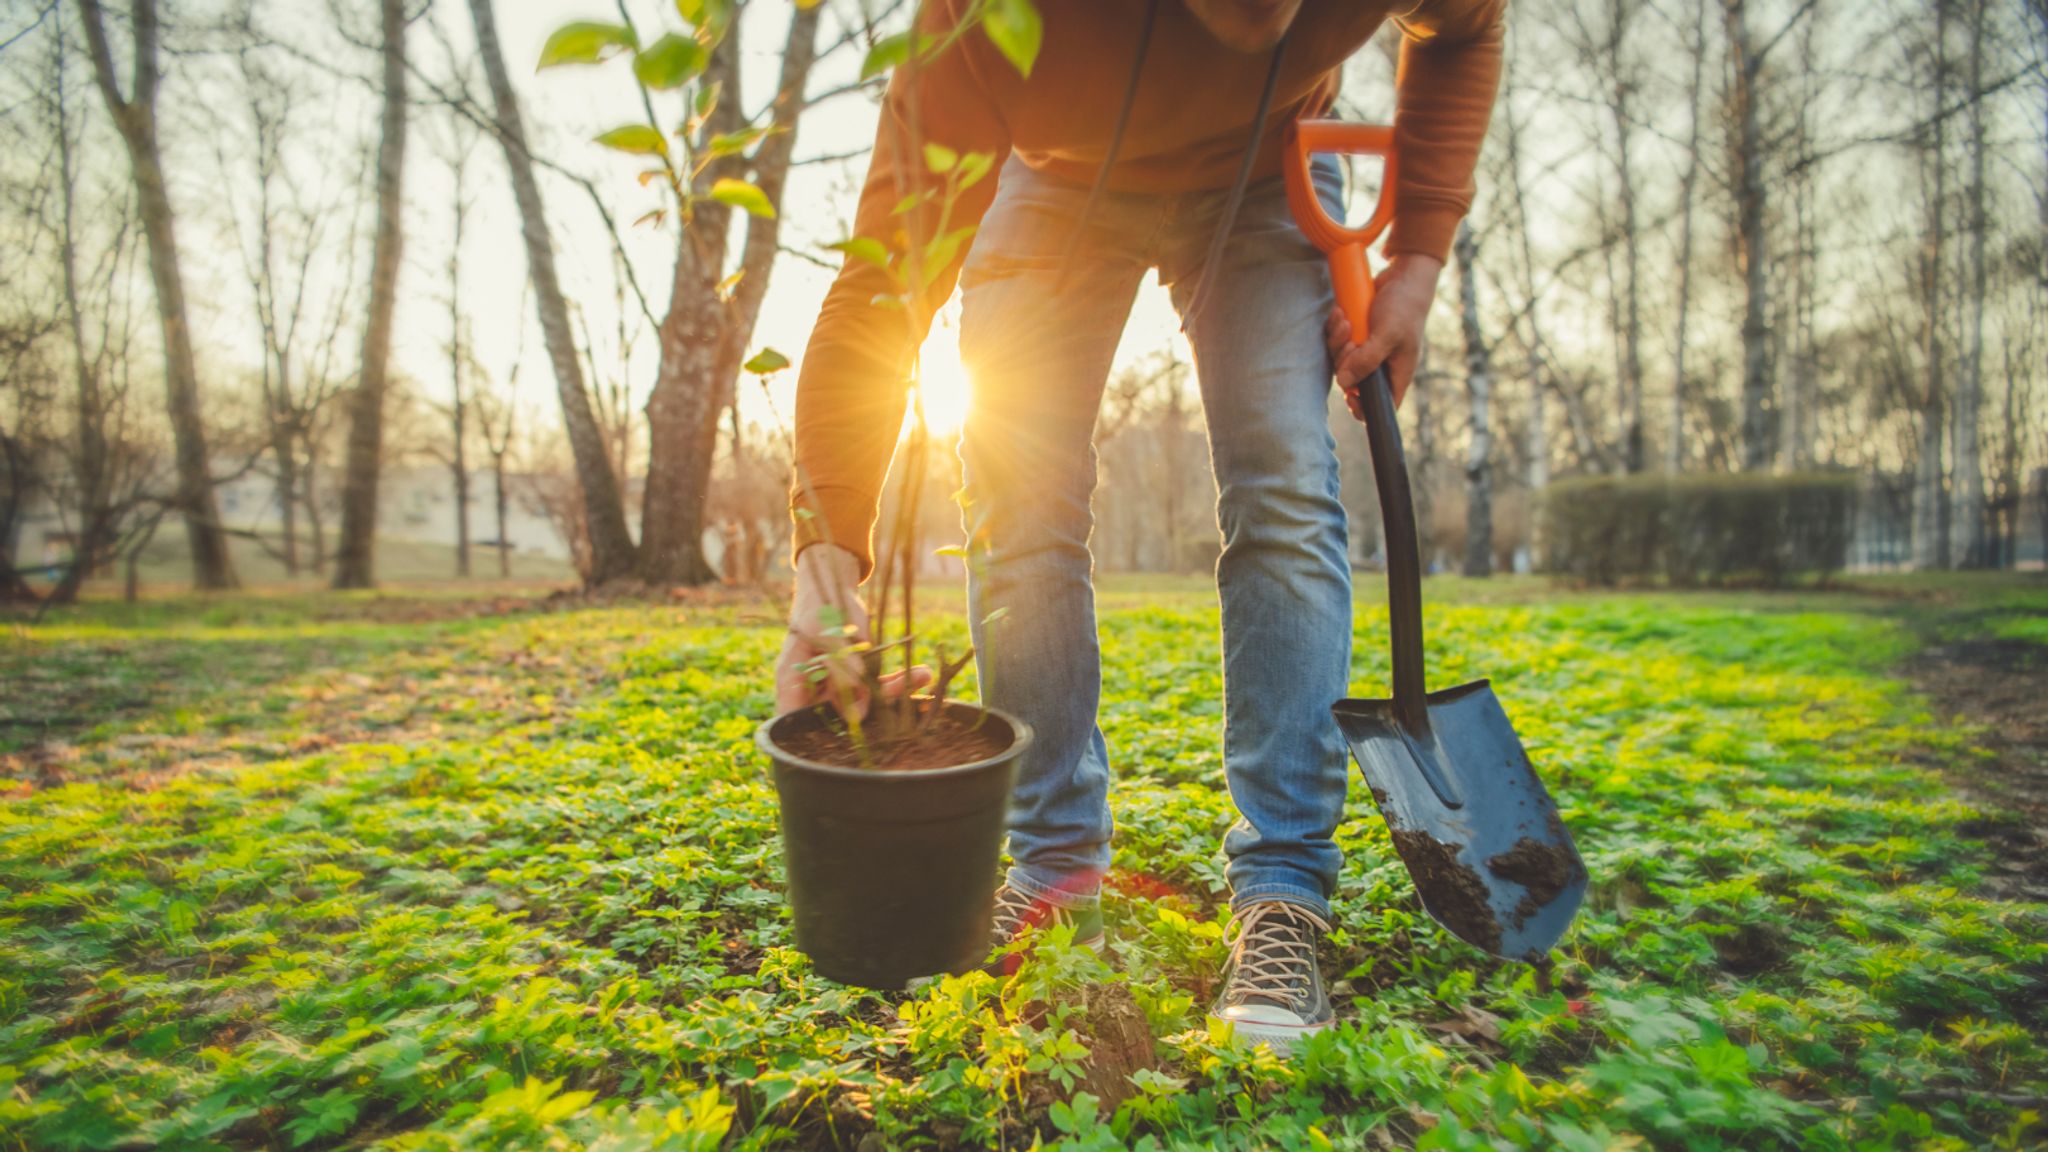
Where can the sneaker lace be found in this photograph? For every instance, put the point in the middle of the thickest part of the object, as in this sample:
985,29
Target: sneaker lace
1015,912
1273,952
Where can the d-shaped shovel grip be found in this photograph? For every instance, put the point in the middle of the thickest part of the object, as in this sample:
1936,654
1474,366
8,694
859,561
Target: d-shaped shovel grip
1351,276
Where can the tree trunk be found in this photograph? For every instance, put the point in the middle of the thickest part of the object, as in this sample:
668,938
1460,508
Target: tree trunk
1478,390
1632,452
498,498
316,524
703,340
604,512
1674,455
682,412
1752,243
459,464
1537,445
355,552
135,117
1966,457
1797,420
1173,449
458,410
2011,484
287,500
17,480
1930,499
93,468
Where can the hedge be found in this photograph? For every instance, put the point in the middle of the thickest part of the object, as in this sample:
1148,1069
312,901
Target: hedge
1698,528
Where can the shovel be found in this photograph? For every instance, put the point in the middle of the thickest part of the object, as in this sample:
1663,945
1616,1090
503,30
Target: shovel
1476,829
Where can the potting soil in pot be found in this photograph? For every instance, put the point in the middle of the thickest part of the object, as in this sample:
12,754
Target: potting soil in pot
950,741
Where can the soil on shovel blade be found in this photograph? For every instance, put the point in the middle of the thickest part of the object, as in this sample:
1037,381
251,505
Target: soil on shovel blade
952,740
1456,893
1545,870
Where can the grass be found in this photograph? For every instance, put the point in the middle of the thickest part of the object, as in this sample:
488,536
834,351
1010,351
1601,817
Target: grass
315,871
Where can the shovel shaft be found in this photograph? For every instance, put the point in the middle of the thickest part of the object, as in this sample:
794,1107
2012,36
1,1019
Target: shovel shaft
1404,562
1351,276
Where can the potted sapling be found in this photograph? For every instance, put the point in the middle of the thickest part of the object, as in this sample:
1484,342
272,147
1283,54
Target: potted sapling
893,801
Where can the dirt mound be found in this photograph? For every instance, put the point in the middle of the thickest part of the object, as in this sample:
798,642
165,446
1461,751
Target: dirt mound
1119,1040
1997,685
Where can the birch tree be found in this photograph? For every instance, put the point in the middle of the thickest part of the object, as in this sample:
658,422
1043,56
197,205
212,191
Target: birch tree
1688,193
1930,487
1478,395
1967,520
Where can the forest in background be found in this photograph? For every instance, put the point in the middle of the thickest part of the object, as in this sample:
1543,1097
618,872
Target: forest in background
1723,237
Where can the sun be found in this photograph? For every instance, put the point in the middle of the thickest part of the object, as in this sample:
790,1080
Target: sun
947,392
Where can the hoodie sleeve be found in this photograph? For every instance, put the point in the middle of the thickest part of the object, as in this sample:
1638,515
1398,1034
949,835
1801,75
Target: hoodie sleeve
852,387
1444,92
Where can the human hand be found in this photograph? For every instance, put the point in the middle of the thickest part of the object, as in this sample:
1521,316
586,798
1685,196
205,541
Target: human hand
828,634
1402,296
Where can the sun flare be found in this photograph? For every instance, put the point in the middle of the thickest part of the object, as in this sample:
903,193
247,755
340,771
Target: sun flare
947,392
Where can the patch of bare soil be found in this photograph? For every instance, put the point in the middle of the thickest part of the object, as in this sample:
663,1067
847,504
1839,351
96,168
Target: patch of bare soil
2000,686
1119,1041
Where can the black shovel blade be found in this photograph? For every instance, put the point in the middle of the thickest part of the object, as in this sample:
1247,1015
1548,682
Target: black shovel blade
1478,831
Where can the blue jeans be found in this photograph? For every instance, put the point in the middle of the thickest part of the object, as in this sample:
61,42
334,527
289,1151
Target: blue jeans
1040,351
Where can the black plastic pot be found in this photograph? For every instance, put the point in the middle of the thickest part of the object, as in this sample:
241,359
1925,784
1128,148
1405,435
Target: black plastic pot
891,875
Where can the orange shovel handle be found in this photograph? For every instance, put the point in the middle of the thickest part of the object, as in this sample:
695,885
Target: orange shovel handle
1345,247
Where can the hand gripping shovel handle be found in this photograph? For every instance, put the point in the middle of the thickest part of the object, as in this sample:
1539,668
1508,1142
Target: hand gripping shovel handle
1352,278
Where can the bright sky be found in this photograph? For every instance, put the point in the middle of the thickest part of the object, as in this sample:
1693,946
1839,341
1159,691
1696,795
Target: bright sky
565,107
205,126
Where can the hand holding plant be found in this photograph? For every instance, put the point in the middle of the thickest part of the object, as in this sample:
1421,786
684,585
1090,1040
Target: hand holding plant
823,654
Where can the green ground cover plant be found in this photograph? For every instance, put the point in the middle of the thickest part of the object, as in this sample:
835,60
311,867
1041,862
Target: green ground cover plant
314,872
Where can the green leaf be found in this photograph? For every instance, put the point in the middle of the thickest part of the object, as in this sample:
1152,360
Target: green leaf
940,253
1016,30
973,167
733,143
713,18
586,43
707,99
670,62
864,248
953,550
939,158
887,53
181,918
912,201
639,139
690,10
765,361
741,194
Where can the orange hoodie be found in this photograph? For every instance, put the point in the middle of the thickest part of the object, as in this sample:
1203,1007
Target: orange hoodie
1188,130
